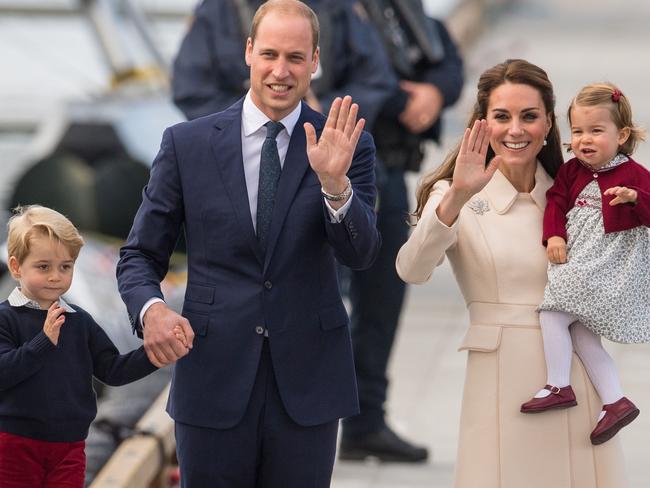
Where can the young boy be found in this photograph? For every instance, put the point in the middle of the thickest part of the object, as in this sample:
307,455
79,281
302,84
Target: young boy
49,352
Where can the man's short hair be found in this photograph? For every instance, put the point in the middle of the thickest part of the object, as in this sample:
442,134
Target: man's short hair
287,7
37,221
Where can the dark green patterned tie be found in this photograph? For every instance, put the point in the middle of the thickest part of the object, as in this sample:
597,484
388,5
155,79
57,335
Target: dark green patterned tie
269,176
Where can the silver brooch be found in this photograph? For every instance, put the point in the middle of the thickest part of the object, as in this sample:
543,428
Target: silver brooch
479,206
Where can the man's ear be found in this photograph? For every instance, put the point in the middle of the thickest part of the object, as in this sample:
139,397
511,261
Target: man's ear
14,267
314,60
249,51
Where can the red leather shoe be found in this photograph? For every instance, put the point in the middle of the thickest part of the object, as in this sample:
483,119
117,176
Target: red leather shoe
617,415
559,398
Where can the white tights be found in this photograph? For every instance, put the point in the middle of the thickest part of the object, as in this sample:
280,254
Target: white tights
560,338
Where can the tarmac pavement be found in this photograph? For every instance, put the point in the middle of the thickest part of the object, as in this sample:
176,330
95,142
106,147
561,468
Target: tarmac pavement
576,42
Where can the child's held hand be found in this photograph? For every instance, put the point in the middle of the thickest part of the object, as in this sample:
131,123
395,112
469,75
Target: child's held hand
556,250
623,195
180,335
53,322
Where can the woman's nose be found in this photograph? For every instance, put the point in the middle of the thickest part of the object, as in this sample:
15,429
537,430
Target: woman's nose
516,130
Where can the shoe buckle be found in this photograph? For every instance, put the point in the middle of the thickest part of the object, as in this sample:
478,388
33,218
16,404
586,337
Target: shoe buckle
555,390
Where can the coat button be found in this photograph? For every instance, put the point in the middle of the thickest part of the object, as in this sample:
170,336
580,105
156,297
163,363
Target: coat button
268,285
595,175
259,330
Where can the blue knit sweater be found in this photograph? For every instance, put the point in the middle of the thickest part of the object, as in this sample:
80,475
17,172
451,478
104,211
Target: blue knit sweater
46,391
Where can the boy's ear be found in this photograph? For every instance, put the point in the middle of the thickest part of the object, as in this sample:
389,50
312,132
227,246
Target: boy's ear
14,267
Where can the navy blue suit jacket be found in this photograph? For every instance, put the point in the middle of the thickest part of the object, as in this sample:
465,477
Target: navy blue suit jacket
197,183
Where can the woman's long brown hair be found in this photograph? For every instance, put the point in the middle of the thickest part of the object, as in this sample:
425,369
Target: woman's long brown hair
516,71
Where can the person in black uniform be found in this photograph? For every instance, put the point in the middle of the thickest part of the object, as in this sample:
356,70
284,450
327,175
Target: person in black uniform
425,59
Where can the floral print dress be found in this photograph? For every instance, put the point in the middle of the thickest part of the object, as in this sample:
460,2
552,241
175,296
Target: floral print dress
606,279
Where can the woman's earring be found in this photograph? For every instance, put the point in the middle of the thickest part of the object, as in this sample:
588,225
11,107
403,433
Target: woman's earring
545,142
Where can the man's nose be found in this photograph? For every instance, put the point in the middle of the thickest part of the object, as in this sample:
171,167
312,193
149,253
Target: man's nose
280,69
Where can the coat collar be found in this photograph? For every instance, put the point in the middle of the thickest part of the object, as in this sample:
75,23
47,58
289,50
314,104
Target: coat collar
502,194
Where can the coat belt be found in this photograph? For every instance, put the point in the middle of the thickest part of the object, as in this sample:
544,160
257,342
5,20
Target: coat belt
503,314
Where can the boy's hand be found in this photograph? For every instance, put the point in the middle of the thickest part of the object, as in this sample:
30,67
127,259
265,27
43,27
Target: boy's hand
556,250
623,195
180,335
53,322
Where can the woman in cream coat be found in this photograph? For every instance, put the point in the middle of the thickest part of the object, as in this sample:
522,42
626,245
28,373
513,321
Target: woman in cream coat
488,220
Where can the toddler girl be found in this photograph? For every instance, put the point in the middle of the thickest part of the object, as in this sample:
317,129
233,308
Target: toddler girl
596,232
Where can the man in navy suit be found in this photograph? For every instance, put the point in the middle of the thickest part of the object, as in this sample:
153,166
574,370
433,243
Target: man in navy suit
257,395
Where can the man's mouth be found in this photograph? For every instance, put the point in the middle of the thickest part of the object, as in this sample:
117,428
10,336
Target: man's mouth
279,88
516,145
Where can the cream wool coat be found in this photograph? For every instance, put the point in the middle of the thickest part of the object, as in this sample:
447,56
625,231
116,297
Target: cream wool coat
495,250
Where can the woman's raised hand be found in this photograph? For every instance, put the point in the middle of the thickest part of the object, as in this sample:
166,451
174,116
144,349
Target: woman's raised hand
470,173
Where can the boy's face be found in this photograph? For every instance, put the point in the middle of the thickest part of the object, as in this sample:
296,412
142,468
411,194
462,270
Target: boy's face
46,273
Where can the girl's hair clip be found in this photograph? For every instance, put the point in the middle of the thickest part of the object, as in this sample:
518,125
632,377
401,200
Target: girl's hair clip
616,95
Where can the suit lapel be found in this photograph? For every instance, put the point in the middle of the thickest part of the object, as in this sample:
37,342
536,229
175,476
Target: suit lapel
226,146
293,171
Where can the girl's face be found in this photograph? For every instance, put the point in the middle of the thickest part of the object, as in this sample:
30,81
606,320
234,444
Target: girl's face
595,139
519,123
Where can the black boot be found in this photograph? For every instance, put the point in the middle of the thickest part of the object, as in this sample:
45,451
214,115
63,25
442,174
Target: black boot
384,445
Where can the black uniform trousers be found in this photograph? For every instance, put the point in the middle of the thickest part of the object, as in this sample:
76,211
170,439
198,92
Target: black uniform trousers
376,296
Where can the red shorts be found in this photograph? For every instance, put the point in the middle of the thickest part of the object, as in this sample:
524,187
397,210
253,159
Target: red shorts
29,463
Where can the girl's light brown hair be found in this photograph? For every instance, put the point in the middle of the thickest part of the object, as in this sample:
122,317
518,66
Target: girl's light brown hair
610,97
36,221
516,71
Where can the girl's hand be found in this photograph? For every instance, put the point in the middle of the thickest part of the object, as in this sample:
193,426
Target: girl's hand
53,322
556,250
180,335
623,195
470,173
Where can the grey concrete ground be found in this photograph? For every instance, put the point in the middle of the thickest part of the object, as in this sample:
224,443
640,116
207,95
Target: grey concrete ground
577,42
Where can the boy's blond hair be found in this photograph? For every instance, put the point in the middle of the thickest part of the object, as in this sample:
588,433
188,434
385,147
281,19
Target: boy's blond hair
36,221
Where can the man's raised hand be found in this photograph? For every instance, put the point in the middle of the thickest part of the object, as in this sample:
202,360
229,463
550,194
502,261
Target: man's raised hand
331,155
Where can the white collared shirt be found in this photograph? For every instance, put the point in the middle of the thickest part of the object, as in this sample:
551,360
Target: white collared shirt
253,134
18,299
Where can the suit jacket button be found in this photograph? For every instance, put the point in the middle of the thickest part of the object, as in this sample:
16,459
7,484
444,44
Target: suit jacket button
268,285
259,330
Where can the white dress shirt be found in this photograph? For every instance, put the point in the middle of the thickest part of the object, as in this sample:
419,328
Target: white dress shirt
253,134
